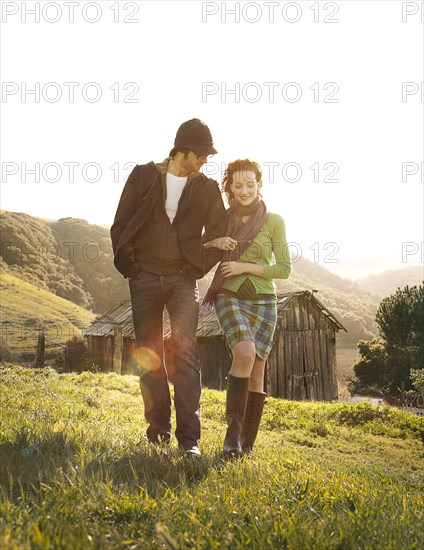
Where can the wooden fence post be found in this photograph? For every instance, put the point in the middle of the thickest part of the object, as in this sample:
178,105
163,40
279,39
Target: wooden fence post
118,345
41,347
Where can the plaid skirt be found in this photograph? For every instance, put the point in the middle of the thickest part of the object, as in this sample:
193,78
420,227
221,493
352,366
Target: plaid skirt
247,320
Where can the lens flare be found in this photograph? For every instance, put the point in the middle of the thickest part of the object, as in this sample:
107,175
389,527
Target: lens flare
144,360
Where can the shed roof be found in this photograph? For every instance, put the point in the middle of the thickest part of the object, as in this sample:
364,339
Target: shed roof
287,298
208,324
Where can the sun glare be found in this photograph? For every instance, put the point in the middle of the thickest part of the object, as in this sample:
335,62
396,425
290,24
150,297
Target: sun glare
144,360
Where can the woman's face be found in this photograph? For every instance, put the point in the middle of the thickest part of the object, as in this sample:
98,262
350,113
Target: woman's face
245,187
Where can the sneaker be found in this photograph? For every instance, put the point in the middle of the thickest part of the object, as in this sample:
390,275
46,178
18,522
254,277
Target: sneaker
192,452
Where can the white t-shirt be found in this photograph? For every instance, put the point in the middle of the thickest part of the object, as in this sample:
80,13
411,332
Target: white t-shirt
174,188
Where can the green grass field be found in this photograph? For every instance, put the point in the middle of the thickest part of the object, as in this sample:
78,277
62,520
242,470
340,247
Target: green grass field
26,309
77,473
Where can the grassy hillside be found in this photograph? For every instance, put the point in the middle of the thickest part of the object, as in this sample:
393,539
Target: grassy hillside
77,474
92,259
386,283
33,254
25,309
69,257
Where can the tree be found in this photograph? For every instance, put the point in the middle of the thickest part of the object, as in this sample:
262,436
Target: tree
400,321
400,315
389,361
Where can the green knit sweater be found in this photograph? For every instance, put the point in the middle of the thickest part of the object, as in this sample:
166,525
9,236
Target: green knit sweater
268,248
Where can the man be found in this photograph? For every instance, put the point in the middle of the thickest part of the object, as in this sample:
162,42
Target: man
157,241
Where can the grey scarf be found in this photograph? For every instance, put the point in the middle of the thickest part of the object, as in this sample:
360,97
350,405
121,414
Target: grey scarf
244,233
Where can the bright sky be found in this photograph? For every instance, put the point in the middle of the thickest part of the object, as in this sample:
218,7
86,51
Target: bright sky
327,96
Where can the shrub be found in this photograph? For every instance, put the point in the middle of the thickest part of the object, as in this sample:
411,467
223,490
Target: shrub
75,355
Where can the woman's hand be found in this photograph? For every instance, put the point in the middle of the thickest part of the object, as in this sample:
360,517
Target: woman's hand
222,243
232,268
237,268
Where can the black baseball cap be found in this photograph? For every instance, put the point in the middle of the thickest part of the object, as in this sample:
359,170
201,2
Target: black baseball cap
195,136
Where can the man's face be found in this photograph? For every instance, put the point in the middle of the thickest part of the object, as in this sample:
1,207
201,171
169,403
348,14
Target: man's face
194,162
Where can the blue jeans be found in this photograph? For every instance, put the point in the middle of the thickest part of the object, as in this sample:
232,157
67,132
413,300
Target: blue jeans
150,293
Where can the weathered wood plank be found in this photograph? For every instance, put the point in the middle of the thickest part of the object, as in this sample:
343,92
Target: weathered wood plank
288,367
332,377
273,367
282,365
309,370
118,346
323,364
318,366
297,373
108,353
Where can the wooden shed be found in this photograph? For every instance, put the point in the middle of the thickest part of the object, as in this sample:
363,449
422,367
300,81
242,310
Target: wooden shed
301,365
110,340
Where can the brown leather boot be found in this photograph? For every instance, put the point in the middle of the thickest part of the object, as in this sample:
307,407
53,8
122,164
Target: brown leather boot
252,419
237,391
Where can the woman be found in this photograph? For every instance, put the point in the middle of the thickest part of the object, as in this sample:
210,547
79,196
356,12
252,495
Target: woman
243,291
